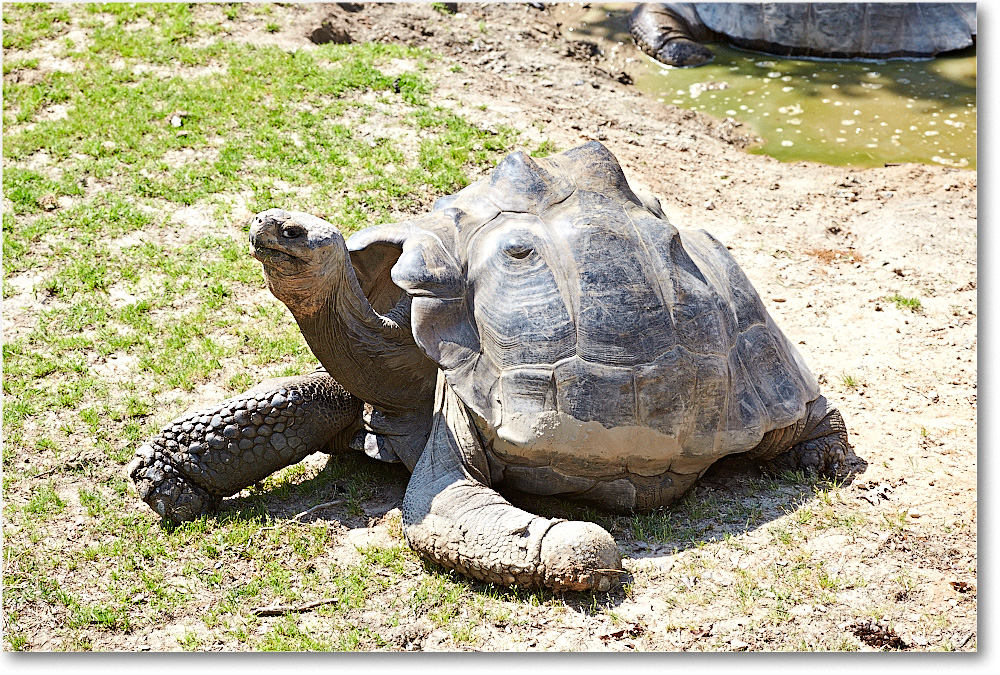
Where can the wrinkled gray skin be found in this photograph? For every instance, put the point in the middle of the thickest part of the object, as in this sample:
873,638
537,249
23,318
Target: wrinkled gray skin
673,32
543,329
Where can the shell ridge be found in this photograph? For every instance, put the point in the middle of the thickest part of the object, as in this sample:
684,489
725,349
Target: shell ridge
660,270
566,273
467,235
520,184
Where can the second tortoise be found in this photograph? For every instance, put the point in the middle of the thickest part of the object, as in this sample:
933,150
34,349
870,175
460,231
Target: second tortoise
674,32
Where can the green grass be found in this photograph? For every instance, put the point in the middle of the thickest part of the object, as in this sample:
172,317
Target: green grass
44,502
902,302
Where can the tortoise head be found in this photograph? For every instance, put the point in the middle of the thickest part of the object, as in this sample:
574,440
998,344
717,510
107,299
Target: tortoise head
302,256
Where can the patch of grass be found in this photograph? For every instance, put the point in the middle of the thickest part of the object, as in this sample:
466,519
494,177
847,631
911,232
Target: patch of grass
747,591
544,149
902,302
439,597
895,521
25,24
107,616
17,642
189,641
45,502
93,500
28,190
286,635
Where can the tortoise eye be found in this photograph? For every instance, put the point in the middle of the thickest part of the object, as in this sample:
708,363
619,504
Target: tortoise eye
517,249
293,232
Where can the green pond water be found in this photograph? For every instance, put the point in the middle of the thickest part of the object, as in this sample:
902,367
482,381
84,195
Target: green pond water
837,112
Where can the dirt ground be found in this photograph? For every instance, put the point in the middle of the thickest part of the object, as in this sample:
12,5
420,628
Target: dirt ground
828,248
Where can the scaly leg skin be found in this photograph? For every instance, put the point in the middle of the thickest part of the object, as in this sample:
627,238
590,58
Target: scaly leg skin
817,444
667,36
199,458
453,517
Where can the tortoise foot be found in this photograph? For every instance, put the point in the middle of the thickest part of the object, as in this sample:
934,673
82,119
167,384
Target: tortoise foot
168,492
580,556
821,448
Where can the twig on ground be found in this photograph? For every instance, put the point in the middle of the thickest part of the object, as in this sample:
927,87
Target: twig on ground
278,610
906,386
254,535
59,466
316,508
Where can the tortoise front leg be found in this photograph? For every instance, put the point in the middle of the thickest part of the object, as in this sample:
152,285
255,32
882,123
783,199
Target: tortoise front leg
666,35
199,458
453,517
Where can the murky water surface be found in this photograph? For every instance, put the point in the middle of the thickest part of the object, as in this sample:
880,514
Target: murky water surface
837,112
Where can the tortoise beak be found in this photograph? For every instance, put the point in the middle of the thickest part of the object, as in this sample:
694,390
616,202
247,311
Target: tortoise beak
265,237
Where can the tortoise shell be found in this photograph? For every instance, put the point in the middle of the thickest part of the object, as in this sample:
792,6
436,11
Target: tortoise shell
590,338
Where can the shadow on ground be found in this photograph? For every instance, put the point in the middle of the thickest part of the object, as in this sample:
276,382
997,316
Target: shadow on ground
732,499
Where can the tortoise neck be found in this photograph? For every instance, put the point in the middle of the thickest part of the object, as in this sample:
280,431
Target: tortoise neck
372,355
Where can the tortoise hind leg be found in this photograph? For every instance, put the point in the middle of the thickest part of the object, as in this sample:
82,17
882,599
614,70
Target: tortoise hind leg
199,458
816,444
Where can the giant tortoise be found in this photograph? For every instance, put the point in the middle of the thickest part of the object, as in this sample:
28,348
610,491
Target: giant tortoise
543,329
673,32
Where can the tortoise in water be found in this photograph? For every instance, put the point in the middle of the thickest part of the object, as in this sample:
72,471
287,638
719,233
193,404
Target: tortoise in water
673,32
543,329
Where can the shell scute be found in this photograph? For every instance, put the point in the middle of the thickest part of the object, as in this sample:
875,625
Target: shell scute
664,388
517,304
596,392
777,381
519,184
